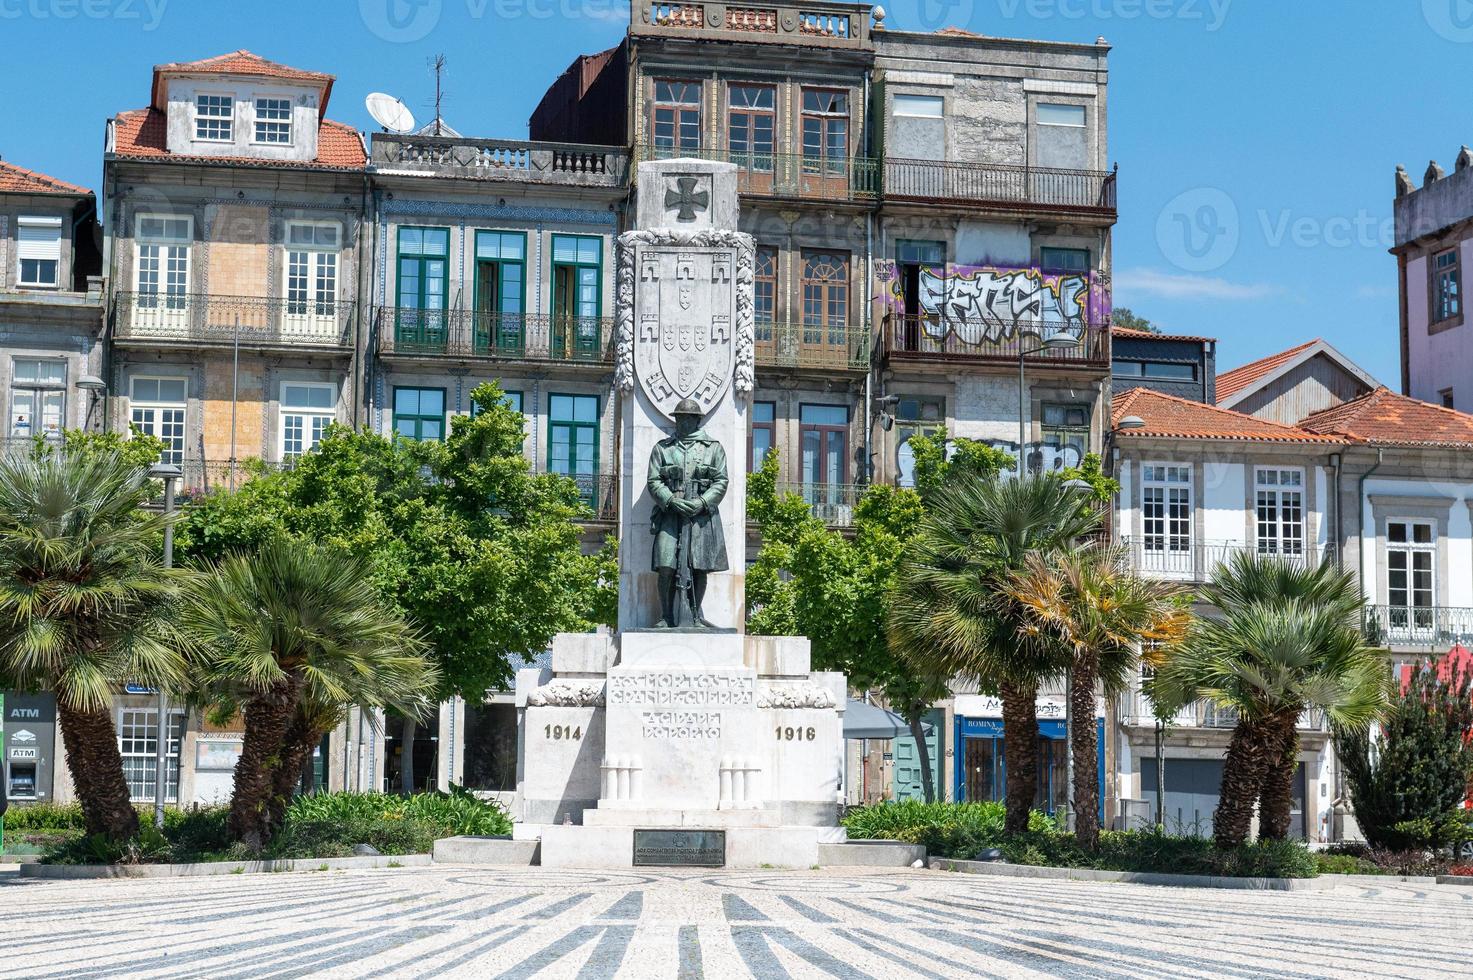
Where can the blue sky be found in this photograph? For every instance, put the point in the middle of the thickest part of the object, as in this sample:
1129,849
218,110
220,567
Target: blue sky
1256,139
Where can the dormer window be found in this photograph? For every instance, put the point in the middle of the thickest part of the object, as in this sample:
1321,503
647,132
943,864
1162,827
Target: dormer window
214,117
273,120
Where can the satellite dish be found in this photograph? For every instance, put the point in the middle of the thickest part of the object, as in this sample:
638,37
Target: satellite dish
389,112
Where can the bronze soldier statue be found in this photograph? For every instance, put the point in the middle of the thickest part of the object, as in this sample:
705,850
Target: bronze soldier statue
687,479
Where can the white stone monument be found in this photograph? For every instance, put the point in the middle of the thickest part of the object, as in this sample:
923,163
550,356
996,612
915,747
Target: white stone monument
681,746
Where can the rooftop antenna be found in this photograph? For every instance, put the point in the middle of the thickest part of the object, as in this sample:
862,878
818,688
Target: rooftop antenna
438,64
389,113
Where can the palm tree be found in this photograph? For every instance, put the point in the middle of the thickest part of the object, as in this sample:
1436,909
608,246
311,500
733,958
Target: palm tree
949,616
83,599
1100,614
1287,639
294,633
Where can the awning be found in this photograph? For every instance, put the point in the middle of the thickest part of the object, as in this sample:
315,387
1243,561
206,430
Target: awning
869,721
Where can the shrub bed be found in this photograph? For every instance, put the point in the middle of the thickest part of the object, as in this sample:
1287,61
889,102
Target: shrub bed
1361,859
964,830
326,825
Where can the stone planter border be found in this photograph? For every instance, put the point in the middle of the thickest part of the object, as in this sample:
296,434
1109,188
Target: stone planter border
84,871
1134,877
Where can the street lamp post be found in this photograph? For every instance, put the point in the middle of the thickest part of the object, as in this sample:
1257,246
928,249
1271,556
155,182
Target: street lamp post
168,472
1058,340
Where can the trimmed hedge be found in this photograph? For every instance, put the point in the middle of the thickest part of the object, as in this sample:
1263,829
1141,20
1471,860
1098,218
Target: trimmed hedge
325,825
964,830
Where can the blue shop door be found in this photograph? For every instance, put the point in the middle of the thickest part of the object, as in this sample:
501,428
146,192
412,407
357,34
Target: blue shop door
908,775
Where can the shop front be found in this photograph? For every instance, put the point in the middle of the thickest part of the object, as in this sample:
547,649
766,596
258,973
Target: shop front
981,772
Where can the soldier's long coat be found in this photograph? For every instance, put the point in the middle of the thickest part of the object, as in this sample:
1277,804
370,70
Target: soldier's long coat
675,463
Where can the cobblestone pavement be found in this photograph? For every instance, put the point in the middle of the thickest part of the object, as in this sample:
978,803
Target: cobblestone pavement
446,921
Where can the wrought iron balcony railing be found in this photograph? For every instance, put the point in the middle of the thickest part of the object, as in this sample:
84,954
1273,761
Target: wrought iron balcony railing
832,503
186,318
1000,185
833,347
1134,708
1434,627
769,173
934,336
1174,559
495,336
513,160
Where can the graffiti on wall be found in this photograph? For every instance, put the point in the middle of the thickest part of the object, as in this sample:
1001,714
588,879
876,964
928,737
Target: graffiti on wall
1043,457
988,304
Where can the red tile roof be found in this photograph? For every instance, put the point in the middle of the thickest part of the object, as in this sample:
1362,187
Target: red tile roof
142,134
240,62
1229,383
1178,418
1385,417
19,180
1152,335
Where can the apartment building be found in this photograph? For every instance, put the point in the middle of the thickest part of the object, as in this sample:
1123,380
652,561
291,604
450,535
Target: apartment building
1172,364
234,260
494,261
1434,240
1199,484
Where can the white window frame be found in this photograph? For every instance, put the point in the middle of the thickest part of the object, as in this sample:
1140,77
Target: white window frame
309,306
39,391
905,102
1039,113
311,422
32,221
1289,537
137,731
1411,617
163,266
229,119
154,425
257,121
1167,549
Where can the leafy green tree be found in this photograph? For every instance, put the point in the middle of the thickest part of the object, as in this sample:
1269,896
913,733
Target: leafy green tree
460,536
1101,615
950,616
1124,318
1286,640
293,633
1408,786
84,607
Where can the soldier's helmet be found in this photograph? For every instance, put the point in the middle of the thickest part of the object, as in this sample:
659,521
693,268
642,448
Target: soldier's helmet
688,406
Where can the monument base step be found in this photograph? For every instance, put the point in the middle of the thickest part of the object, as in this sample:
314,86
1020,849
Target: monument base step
746,847
618,816
485,850
871,854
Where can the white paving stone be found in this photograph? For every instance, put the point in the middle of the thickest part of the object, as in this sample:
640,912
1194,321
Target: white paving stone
849,923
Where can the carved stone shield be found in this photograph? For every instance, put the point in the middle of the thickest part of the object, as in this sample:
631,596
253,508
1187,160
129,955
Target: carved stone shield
683,346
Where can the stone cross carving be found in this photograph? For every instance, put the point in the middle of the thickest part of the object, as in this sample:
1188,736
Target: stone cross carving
685,197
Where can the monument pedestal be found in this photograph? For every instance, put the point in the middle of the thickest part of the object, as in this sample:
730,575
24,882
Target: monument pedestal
679,732
681,746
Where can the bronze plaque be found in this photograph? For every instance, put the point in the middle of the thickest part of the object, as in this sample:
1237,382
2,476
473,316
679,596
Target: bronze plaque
680,848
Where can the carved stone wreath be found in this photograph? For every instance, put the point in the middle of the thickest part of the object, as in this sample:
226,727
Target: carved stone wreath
745,377
567,694
806,696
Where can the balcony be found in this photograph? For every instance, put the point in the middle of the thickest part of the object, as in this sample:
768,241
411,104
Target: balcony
817,23
1001,187
788,175
1434,627
1195,561
832,503
798,347
1134,708
159,319
931,337
601,493
504,160
468,334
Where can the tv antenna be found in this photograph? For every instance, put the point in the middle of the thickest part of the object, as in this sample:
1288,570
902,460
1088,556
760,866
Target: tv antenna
389,113
438,65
